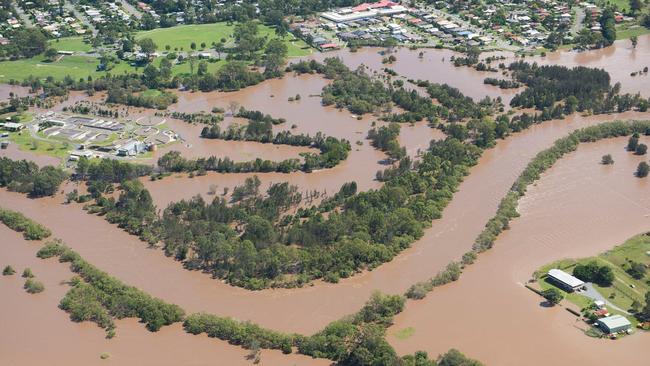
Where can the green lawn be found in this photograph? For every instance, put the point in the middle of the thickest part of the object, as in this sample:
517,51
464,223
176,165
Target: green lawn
627,31
26,142
625,289
71,44
181,37
75,66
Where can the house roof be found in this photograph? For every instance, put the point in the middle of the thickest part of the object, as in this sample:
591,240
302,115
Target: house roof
565,278
615,321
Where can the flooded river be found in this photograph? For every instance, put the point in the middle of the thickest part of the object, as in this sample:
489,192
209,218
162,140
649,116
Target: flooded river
308,309
34,329
579,208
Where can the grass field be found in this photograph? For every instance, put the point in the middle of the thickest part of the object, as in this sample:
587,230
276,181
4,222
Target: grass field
76,44
26,142
181,37
75,66
625,289
176,37
627,31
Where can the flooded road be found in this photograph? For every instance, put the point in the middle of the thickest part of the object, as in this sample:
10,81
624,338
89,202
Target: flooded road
308,309
579,208
34,329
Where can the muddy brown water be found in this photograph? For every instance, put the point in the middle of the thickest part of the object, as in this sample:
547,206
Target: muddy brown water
579,208
308,309
34,329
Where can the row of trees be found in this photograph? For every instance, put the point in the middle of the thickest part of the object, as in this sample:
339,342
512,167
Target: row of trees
95,296
18,222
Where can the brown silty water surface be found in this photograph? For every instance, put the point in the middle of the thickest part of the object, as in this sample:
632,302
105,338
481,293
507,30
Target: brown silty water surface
579,208
308,309
36,332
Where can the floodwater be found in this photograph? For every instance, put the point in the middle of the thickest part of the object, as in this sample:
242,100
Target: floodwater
307,309
565,215
434,65
14,152
34,329
619,60
579,208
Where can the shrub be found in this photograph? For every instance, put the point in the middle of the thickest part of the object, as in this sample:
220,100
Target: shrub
8,271
552,295
641,149
33,287
642,169
607,159
18,222
27,273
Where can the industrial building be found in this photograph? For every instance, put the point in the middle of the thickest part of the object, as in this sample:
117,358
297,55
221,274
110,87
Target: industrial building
564,280
364,11
614,324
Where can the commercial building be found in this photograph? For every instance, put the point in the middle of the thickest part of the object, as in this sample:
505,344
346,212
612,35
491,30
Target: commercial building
364,11
12,127
564,280
614,324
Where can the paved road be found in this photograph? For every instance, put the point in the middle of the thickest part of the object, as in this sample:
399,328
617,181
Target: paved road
21,14
577,22
80,16
593,294
131,9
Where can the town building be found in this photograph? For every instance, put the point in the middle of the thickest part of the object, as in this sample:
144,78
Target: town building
12,126
364,11
614,324
564,280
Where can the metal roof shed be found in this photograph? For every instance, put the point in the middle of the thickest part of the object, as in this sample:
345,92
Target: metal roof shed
614,324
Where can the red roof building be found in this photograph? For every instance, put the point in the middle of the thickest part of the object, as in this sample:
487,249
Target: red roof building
377,5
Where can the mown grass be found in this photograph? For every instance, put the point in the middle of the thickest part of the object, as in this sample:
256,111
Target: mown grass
26,142
181,37
81,67
76,44
627,31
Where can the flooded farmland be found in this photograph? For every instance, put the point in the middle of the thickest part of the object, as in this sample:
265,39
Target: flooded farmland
579,208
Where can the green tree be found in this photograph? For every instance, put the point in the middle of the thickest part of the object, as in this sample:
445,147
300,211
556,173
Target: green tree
8,271
247,39
147,46
645,312
33,287
552,295
29,42
50,54
275,55
607,159
642,169
641,149
636,5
